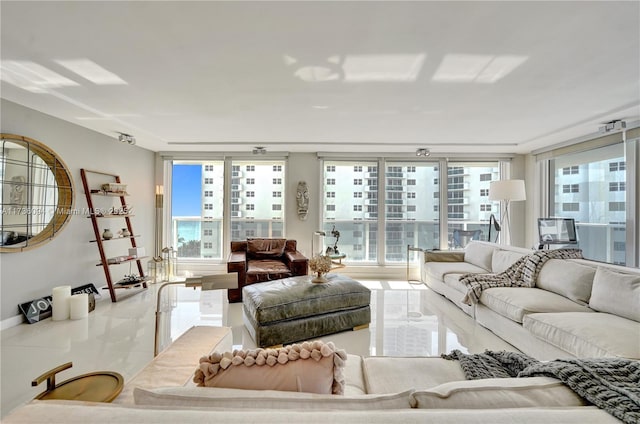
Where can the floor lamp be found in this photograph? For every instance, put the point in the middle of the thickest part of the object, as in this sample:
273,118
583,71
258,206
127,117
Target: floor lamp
507,191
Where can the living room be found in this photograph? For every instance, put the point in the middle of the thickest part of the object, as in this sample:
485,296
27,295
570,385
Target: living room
321,84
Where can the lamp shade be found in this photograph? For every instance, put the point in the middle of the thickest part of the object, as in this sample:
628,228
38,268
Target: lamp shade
507,190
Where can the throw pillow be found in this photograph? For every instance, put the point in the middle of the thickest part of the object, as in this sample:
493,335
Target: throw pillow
261,248
493,393
312,367
616,293
479,254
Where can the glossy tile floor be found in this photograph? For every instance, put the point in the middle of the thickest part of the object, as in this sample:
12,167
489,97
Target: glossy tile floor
407,320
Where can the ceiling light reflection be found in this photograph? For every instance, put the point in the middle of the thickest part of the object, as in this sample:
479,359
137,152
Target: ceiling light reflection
91,71
383,67
484,69
32,77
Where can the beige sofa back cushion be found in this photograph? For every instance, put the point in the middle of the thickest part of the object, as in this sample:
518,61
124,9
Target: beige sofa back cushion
498,393
479,254
568,279
616,293
239,399
503,259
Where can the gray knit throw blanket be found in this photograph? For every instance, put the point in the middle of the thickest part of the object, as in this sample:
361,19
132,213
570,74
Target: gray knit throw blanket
612,384
522,273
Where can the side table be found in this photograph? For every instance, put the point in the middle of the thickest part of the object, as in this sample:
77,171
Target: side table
412,249
336,260
101,386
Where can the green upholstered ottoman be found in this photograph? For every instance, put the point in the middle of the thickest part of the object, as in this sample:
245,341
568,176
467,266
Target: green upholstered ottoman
295,309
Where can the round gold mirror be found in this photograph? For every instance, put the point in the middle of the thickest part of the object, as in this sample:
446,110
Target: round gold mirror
36,190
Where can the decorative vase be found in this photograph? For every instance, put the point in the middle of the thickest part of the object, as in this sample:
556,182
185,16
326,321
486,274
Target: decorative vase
125,232
320,278
107,234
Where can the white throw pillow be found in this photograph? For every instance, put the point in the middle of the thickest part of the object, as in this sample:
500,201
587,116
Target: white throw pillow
493,393
616,293
568,279
239,399
479,254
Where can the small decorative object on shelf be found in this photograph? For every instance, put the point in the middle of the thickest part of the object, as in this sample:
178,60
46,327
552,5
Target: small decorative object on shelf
125,233
114,188
129,280
107,234
320,265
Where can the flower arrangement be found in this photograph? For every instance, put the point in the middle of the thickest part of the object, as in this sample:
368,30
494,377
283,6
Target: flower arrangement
320,264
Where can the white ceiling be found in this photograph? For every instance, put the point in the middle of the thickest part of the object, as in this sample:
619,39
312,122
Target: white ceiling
228,76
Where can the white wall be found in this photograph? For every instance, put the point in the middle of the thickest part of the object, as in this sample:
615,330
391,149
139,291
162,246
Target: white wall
69,259
302,167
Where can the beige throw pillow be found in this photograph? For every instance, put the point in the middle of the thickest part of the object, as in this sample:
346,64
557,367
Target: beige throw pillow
312,367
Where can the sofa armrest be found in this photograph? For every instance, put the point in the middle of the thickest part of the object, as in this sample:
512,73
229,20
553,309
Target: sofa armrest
237,258
295,257
443,256
297,263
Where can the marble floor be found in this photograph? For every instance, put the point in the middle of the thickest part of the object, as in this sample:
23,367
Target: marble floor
407,320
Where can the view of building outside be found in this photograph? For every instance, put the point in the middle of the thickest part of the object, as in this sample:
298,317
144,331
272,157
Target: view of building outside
197,204
587,186
412,211
257,199
469,207
350,205
411,205
590,187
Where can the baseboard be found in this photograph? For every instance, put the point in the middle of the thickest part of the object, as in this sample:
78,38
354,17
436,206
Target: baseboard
11,322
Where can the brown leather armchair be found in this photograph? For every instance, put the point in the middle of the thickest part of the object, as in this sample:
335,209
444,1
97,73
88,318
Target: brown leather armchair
264,259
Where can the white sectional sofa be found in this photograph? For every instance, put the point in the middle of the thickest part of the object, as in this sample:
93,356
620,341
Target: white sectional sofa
578,308
378,390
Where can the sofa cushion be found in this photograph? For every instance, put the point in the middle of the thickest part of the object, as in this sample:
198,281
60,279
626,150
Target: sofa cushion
503,259
437,270
266,399
479,254
516,302
587,334
616,293
261,248
312,367
267,266
567,278
392,375
498,393
453,281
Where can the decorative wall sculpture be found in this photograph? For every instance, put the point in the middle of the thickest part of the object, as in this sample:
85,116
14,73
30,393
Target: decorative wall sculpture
302,197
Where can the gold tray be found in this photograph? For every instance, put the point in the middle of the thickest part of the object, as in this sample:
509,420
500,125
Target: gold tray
101,386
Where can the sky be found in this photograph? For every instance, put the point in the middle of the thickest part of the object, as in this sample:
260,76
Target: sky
186,190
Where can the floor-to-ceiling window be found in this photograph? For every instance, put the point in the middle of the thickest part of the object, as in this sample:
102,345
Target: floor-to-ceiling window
197,204
412,207
590,187
350,206
403,197
257,199
468,204
255,204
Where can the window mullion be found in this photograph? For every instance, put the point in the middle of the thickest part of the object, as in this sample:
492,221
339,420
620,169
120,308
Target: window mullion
382,210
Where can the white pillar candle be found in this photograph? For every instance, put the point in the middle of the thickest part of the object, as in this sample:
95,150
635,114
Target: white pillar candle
79,306
60,303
